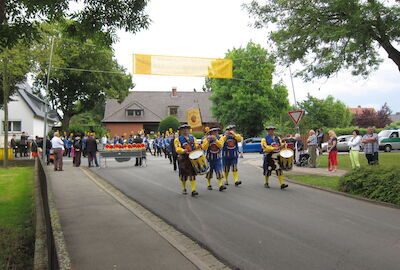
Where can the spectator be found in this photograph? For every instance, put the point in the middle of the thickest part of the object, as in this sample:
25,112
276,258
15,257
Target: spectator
91,150
320,139
77,151
371,147
298,147
104,141
332,151
58,149
354,145
312,143
137,139
14,145
23,145
34,147
84,141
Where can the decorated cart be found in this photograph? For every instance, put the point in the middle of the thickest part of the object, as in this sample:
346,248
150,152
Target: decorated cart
122,152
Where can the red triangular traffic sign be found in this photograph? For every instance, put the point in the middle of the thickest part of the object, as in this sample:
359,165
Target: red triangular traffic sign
296,116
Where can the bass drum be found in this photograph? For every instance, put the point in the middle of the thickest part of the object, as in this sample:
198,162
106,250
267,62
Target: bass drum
199,162
287,155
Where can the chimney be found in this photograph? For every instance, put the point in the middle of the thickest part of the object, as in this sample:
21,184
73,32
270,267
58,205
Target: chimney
359,106
174,93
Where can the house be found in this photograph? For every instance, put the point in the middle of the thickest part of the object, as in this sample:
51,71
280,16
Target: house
26,114
145,109
359,110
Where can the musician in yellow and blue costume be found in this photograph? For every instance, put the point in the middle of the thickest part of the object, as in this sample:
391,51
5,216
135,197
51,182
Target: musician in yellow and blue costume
230,153
213,144
185,144
272,145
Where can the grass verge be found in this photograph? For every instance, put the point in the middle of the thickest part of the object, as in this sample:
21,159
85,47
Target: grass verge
385,160
17,235
329,182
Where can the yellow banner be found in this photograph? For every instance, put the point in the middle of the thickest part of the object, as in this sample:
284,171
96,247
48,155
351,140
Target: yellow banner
182,66
194,118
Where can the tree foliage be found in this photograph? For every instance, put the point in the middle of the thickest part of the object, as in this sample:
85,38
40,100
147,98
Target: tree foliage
250,99
73,88
326,112
326,36
167,123
378,119
20,19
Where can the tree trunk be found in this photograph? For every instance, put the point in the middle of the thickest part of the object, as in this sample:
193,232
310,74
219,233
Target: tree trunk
392,52
5,108
3,18
65,121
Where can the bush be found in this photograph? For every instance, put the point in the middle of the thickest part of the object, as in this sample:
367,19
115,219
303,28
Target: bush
167,123
375,182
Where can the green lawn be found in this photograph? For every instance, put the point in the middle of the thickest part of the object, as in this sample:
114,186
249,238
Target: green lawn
16,218
330,182
385,159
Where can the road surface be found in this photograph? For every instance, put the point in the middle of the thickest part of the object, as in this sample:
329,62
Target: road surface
251,227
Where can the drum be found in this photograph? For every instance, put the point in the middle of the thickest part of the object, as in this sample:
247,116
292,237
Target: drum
199,162
287,158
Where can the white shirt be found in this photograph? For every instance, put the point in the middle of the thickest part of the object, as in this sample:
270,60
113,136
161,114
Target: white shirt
355,143
104,140
56,142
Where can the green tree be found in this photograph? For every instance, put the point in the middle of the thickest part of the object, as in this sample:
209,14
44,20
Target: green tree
15,64
167,123
326,36
250,99
73,86
20,19
324,113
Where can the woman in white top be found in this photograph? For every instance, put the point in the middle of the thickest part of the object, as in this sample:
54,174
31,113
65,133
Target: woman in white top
354,145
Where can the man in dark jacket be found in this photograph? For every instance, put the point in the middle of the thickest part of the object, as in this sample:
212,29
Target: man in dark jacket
174,154
14,145
91,150
137,139
77,150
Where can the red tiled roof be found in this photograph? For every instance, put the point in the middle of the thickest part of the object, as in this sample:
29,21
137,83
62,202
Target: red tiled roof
359,110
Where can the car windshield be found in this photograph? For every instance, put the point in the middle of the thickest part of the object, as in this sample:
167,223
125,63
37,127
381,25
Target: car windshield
384,133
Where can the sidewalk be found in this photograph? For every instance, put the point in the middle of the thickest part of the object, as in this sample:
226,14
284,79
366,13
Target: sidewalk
102,234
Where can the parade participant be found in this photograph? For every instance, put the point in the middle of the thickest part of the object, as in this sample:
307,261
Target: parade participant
213,144
271,145
230,153
69,144
185,144
174,154
168,146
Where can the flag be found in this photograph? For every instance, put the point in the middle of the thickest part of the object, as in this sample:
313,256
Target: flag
194,118
182,66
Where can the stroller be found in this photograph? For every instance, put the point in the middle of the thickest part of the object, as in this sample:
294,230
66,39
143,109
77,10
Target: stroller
303,160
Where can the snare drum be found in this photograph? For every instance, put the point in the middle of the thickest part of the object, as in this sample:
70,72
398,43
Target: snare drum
287,158
199,162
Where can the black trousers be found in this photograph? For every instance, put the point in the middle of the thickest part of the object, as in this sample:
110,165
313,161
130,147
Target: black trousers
138,162
175,161
373,159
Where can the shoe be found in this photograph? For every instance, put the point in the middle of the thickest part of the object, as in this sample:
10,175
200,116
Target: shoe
334,170
284,186
97,166
184,192
221,188
209,187
238,183
55,170
266,185
329,170
226,183
194,193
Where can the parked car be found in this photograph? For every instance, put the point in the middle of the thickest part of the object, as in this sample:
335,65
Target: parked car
252,145
342,143
389,140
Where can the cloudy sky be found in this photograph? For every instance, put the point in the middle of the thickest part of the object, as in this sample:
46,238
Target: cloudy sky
209,28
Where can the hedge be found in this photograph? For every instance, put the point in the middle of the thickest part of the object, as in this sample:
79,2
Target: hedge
374,182
198,134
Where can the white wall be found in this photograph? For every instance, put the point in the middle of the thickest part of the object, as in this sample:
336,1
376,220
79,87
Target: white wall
18,110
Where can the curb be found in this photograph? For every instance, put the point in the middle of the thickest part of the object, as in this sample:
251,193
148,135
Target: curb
395,206
391,205
196,254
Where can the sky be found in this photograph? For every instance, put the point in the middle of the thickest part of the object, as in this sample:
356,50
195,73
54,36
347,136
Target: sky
209,28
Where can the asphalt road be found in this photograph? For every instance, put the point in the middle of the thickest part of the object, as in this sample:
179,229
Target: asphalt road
251,227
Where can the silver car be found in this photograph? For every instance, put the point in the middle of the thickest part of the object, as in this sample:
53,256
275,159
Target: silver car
342,143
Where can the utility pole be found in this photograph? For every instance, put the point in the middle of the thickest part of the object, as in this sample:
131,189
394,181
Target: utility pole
5,101
44,156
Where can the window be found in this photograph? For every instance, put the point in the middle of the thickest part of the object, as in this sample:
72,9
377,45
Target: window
173,110
394,135
134,112
13,126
